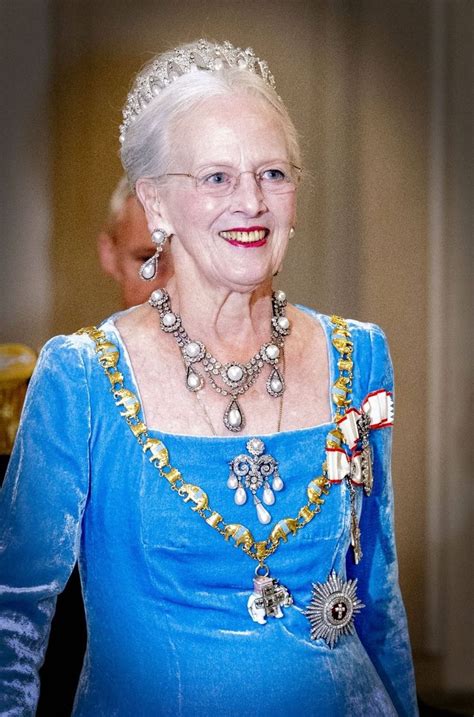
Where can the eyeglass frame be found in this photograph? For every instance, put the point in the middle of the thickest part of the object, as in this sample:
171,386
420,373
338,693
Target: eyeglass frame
237,177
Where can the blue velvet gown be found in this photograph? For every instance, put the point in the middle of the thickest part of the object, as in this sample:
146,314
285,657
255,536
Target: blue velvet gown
165,595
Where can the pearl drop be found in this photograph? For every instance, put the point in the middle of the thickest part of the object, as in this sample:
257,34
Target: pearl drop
277,483
283,322
234,373
276,385
234,417
262,514
192,349
232,482
193,380
280,296
240,496
272,351
148,270
268,496
156,295
169,319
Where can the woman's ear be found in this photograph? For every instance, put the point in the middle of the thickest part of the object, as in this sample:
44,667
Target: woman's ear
147,194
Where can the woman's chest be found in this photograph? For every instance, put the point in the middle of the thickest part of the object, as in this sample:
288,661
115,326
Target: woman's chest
171,406
195,532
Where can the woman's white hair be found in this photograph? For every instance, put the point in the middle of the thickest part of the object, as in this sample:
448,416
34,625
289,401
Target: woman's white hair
147,148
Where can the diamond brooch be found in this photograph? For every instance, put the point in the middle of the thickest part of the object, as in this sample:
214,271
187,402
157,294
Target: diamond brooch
253,471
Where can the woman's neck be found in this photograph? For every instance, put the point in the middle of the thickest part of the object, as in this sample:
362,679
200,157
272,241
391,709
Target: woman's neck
231,324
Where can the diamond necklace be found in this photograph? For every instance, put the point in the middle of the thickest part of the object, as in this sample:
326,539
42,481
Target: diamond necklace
205,413
235,378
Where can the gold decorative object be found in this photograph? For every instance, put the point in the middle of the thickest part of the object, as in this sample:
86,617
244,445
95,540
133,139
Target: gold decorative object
17,362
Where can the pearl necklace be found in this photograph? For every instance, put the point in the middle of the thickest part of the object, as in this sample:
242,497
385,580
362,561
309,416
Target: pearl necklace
235,378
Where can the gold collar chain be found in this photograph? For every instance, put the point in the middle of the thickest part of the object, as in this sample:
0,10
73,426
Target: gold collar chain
108,356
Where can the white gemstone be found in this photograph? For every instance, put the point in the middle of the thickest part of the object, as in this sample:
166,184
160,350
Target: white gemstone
234,373
268,496
232,482
277,483
234,417
240,496
280,296
148,269
255,445
276,385
156,295
262,514
192,349
158,237
194,380
169,319
283,322
272,351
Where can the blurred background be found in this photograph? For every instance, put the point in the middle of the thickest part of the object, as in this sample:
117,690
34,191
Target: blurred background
381,92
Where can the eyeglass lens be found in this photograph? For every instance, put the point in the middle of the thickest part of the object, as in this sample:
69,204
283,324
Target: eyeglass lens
219,181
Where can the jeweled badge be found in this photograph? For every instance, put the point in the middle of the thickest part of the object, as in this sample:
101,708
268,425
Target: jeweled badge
332,609
268,597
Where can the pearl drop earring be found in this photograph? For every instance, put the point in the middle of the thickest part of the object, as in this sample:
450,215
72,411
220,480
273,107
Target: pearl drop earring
149,268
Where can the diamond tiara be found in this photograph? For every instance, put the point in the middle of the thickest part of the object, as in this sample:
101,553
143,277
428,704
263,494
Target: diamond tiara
200,55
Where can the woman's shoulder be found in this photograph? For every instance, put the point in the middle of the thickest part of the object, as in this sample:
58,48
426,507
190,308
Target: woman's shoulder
362,330
73,354
81,341
369,348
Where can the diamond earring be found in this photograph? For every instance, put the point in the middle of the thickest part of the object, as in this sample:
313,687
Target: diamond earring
149,268
291,233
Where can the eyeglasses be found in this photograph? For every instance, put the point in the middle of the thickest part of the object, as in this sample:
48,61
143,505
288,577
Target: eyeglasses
220,181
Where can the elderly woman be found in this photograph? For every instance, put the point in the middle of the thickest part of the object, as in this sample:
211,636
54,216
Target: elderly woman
217,460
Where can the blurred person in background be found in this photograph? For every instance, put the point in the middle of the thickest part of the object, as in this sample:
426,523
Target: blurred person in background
124,245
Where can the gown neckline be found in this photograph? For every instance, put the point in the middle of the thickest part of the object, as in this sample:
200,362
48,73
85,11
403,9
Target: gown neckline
111,325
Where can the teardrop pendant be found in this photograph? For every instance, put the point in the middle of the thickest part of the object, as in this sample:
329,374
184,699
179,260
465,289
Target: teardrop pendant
232,482
240,496
194,381
277,483
268,496
275,384
233,417
263,515
149,268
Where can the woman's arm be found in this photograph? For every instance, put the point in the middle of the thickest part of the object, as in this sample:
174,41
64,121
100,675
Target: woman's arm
41,507
382,625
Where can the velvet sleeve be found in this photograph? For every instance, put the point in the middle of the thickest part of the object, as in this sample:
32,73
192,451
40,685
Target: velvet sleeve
382,624
41,506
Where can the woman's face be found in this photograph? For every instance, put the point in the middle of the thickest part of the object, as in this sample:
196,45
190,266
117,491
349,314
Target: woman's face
236,241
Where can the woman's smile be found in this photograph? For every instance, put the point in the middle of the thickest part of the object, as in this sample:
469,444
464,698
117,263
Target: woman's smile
247,237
